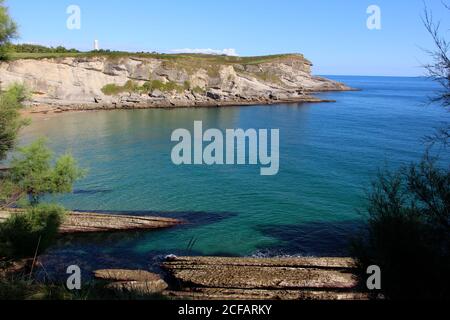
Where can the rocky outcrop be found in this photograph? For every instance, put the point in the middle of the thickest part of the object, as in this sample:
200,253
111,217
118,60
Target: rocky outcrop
135,282
125,275
255,278
92,222
77,82
76,222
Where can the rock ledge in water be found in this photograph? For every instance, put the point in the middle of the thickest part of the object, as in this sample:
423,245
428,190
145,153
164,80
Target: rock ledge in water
126,275
85,222
137,282
263,279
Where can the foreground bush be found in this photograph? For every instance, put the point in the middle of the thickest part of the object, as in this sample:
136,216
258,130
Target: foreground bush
21,287
35,230
34,173
408,232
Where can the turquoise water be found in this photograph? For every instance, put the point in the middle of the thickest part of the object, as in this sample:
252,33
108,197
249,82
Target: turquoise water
329,152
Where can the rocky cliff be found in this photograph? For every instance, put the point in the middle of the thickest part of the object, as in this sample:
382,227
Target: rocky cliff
139,81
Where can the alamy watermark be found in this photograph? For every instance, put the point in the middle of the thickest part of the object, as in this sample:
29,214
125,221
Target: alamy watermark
74,20
374,19
374,280
235,146
74,280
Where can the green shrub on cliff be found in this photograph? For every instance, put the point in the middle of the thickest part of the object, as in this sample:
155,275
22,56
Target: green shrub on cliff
198,90
169,86
149,86
113,89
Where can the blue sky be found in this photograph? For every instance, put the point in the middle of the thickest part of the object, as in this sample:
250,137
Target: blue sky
331,33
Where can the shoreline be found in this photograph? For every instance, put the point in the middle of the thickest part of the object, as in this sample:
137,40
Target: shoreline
52,109
228,278
242,278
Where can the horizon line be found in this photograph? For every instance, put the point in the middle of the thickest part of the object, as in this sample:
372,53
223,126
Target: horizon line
368,75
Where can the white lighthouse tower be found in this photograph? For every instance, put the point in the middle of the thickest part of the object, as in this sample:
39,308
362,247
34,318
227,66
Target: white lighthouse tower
96,45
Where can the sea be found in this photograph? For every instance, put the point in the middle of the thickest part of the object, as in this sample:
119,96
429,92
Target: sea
329,155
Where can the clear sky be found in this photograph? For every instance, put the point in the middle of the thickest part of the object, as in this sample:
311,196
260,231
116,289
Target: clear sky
331,33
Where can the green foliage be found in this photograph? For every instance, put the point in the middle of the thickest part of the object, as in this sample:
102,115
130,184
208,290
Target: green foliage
33,172
114,89
408,234
268,77
10,193
10,122
439,71
16,94
130,86
5,52
154,85
165,86
149,86
8,30
34,48
198,90
65,173
189,62
14,289
111,89
23,234
171,86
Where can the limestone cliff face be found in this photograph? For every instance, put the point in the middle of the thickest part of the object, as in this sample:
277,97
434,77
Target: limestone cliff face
79,82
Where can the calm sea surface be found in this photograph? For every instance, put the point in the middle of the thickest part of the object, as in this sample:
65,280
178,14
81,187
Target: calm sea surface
329,153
